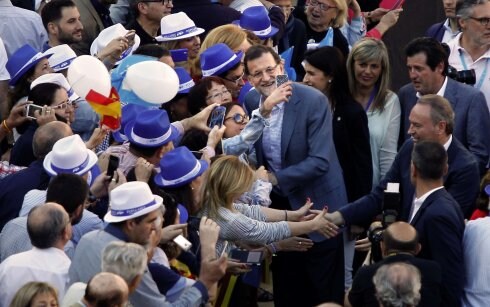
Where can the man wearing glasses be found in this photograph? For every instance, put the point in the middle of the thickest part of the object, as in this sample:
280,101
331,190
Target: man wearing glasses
298,151
471,48
146,17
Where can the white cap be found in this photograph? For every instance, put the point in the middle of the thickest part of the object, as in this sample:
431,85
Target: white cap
59,79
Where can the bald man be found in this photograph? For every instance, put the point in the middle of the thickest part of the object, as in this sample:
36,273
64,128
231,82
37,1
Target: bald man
49,229
15,186
105,289
400,244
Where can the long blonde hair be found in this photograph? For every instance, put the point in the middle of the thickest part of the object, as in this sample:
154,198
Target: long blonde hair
227,179
26,294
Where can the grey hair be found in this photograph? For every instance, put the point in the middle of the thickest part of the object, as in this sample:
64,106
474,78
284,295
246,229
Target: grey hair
465,8
127,260
397,285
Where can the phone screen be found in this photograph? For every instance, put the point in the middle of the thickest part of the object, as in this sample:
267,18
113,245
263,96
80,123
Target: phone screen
217,117
113,165
281,79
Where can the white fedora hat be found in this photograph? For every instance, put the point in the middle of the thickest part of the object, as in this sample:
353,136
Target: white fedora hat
110,33
69,155
61,57
130,200
177,26
59,79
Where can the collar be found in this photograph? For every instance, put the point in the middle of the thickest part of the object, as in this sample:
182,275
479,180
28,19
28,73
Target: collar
448,28
448,143
419,201
6,3
441,91
116,232
457,44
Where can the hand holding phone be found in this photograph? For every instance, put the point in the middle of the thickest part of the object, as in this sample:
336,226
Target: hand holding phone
31,110
113,165
182,242
281,79
217,117
248,257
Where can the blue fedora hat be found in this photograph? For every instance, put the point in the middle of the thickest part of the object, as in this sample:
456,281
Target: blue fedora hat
179,167
129,113
217,59
185,80
487,189
22,60
256,19
151,128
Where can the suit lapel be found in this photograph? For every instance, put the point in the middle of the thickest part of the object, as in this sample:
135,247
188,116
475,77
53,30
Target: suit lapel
291,112
428,202
450,93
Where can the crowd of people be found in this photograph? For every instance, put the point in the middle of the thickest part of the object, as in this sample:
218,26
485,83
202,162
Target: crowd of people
174,152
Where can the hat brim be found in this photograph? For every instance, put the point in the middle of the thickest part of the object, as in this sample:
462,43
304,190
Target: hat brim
109,218
158,179
271,34
228,66
47,163
25,69
195,33
119,137
129,127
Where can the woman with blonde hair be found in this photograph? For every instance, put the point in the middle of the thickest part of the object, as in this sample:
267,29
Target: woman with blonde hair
369,77
35,294
227,179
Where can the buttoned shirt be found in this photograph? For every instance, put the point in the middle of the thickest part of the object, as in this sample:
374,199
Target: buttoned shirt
449,34
460,59
19,27
44,265
271,138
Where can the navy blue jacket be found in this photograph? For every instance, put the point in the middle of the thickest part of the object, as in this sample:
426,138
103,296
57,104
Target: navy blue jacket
436,31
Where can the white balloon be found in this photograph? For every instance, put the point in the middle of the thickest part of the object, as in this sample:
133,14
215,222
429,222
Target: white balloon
88,73
153,82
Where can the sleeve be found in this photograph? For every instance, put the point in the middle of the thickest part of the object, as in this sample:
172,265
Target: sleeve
4,74
259,195
374,33
8,169
478,125
390,142
248,136
119,12
354,31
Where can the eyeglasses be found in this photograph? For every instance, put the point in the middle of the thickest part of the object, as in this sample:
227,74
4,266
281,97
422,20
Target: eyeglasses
220,95
268,70
483,20
238,118
164,2
65,104
322,6
235,80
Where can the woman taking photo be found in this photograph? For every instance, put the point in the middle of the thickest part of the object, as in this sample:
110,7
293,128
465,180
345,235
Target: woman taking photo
369,77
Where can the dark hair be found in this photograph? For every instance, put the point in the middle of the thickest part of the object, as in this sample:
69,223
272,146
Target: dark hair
465,8
429,159
199,92
223,75
45,228
393,244
153,50
145,152
21,88
332,63
255,52
432,49
44,93
68,190
51,12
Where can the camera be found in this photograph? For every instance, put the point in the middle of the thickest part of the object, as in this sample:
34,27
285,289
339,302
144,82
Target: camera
463,76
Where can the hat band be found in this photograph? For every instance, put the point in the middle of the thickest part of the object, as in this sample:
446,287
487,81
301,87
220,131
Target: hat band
263,32
186,85
145,141
179,33
210,72
73,170
129,212
31,60
62,65
189,175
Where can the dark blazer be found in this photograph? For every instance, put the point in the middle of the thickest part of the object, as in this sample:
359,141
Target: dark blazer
363,291
351,139
472,118
440,226
92,26
310,167
436,31
14,187
22,153
461,181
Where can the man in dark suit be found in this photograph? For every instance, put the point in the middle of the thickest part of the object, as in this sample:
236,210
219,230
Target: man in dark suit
298,151
431,119
400,244
427,65
448,29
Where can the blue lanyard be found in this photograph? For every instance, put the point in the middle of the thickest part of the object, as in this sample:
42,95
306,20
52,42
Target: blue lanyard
371,97
484,73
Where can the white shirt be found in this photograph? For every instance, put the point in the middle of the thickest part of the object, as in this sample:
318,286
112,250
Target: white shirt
440,92
4,74
478,65
417,202
448,33
242,5
476,248
45,265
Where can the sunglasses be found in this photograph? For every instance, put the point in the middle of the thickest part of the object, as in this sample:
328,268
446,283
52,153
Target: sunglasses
238,118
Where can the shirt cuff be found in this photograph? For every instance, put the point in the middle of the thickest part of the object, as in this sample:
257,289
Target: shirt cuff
178,125
374,33
256,113
204,291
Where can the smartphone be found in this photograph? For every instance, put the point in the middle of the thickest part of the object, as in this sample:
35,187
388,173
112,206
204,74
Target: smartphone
179,55
248,257
182,242
130,36
217,117
281,79
31,109
112,166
